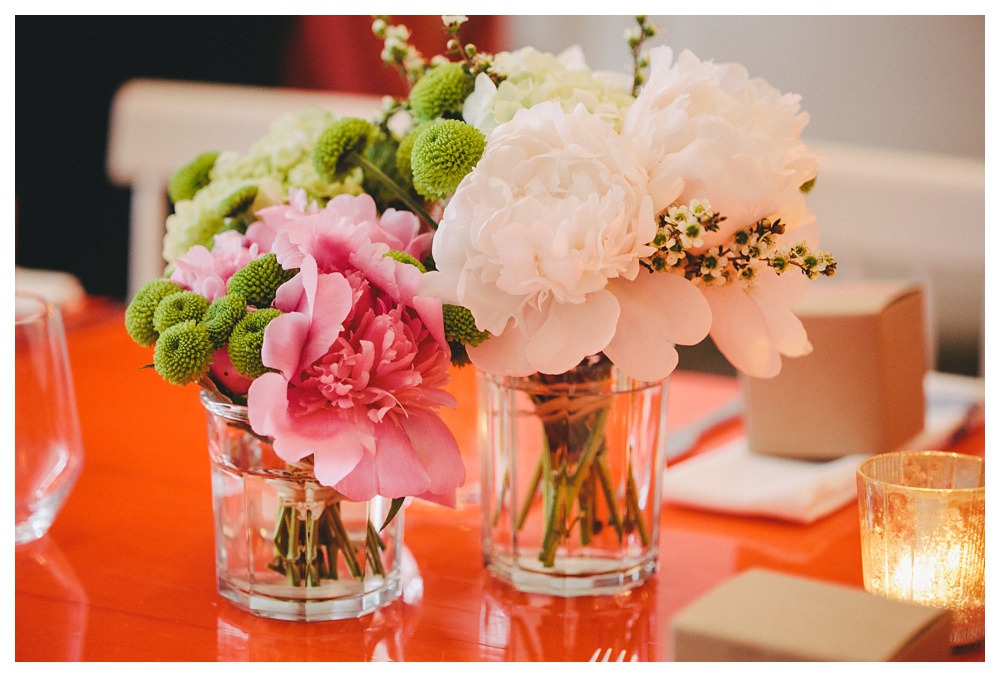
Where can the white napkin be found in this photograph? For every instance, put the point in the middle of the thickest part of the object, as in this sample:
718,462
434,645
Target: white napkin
734,480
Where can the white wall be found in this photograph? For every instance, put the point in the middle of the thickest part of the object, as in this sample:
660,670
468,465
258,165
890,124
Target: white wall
905,82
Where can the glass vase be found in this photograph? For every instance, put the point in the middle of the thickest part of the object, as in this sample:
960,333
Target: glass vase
571,474
287,546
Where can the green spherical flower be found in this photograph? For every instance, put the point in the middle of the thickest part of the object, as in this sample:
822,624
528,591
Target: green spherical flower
442,155
441,92
246,340
139,314
460,326
183,353
179,307
191,178
222,317
332,155
405,149
259,280
237,202
403,257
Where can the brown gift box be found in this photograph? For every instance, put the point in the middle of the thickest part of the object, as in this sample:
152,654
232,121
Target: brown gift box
767,616
860,391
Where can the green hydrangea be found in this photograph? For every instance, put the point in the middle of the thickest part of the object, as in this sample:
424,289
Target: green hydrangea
179,307
337,147
183,353
246,340
192,177
222,317
139,314
403,257
441,92
442,155
259,280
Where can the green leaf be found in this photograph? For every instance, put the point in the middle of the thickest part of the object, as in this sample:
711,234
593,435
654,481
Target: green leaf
397,503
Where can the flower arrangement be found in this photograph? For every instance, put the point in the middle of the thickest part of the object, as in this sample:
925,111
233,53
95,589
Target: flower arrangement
517,210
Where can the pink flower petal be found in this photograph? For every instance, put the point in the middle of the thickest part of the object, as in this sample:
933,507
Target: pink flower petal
399,470
284,337
438,451
361,483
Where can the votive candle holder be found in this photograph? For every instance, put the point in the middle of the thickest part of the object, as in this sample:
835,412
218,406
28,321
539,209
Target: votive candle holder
923,534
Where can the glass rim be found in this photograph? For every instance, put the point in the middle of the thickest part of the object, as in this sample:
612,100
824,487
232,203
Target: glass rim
42,307
228,410
582,388
864,474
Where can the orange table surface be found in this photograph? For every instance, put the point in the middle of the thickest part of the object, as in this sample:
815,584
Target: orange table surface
127,572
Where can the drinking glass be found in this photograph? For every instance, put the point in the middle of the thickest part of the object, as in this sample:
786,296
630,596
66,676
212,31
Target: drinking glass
48,452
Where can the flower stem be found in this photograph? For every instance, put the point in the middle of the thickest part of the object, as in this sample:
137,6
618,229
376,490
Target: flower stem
371,168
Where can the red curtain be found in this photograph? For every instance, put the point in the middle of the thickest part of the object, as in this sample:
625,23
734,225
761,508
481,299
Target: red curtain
340,53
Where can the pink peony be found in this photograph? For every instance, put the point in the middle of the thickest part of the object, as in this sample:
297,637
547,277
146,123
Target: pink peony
360,358
345,216
207,272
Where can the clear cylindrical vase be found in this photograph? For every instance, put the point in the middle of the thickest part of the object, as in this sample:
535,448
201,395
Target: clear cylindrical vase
571,474
287,546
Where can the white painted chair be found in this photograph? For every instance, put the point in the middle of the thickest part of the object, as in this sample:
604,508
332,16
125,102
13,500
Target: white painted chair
888,214
159,125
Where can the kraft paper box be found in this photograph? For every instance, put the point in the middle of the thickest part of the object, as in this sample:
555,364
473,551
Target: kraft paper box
861,389
767,616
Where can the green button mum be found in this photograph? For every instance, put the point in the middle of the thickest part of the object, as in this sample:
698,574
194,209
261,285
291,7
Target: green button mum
183,353
246,340
442,155
441,92
192,177
139,314
222,317
258,281
179,307
337,149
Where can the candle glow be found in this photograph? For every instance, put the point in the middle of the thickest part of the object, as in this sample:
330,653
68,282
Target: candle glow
923,534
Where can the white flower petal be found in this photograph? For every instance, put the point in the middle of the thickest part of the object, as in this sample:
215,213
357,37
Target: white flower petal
775,295
503,354
740,333
571,332
657,311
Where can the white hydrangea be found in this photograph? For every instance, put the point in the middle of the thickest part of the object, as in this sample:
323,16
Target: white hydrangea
277,163
533,77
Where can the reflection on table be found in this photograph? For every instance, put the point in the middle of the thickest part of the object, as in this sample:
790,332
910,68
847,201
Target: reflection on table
127,571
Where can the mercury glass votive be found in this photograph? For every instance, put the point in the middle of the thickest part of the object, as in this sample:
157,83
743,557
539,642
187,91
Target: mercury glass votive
923,534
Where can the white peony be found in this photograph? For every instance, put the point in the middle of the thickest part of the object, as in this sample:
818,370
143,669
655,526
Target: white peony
542,242
532,77
734,141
